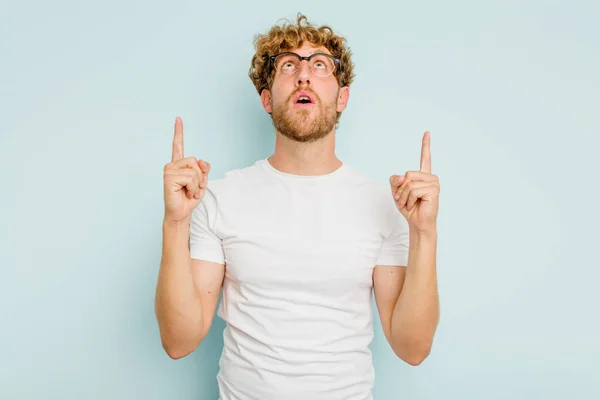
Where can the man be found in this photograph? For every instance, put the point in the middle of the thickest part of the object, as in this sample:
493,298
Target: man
297,242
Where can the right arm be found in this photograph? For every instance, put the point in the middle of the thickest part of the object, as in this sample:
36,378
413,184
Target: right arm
187,290
187,293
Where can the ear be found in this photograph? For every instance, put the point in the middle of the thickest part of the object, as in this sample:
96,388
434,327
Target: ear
343,97
265,99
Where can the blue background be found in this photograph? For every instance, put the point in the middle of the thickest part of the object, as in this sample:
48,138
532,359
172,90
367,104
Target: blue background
88,95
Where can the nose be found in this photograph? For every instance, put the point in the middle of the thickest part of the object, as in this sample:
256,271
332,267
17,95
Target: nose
303,74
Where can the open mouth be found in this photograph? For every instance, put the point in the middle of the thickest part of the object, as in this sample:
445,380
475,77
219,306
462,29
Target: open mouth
303,98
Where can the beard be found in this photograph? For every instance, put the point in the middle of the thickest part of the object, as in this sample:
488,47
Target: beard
298,124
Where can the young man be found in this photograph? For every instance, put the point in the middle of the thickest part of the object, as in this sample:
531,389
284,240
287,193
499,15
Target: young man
297,242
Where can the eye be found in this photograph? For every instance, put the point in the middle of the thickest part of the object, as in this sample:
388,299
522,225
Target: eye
322,63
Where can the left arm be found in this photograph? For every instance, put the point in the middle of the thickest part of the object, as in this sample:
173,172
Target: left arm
407,297
407,300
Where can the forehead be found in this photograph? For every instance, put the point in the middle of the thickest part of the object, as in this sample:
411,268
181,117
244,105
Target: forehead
308,48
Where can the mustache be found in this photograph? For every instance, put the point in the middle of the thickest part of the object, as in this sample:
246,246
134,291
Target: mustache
312,94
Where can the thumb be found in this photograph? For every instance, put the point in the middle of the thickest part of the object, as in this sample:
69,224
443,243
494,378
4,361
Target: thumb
204,166
396,181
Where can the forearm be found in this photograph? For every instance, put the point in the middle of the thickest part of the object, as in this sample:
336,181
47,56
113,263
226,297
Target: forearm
177,304
416,313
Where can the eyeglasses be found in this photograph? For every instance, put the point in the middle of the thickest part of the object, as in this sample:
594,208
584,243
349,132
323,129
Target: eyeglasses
320,64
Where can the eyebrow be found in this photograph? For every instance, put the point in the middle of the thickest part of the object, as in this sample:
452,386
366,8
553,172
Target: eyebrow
320,50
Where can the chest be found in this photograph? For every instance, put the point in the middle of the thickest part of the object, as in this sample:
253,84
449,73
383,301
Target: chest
301,236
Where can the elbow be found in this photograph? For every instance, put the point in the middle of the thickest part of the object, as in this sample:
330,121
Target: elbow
416,358
174,355
414,355
178,343
176,351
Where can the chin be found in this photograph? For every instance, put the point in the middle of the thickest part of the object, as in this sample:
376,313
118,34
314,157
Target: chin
304,134
304,125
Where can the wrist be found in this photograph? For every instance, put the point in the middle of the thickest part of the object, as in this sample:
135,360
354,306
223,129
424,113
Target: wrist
423,236
174,224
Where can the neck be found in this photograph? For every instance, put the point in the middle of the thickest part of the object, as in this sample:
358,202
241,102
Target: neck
314,158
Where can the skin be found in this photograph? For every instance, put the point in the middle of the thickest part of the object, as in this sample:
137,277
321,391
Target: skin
306,157
406,296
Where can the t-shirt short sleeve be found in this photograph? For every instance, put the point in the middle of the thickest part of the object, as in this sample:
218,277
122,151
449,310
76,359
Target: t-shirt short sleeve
394,250
205,244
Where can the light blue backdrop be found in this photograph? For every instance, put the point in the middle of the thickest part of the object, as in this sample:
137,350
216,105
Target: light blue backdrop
89,92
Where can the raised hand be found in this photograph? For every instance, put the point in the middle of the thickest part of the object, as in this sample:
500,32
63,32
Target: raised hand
185,180
416,193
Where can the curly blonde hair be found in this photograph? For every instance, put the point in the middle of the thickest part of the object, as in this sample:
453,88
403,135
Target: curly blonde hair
288,37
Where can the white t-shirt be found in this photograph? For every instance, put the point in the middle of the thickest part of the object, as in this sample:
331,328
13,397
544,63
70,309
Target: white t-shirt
299,254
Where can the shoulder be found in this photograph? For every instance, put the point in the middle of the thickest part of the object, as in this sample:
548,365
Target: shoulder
231,179
232,184
376,196
376,192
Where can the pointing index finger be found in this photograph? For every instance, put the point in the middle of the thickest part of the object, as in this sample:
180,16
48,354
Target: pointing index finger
178,140
426,153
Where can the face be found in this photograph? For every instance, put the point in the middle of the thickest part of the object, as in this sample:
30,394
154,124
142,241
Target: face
297,119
